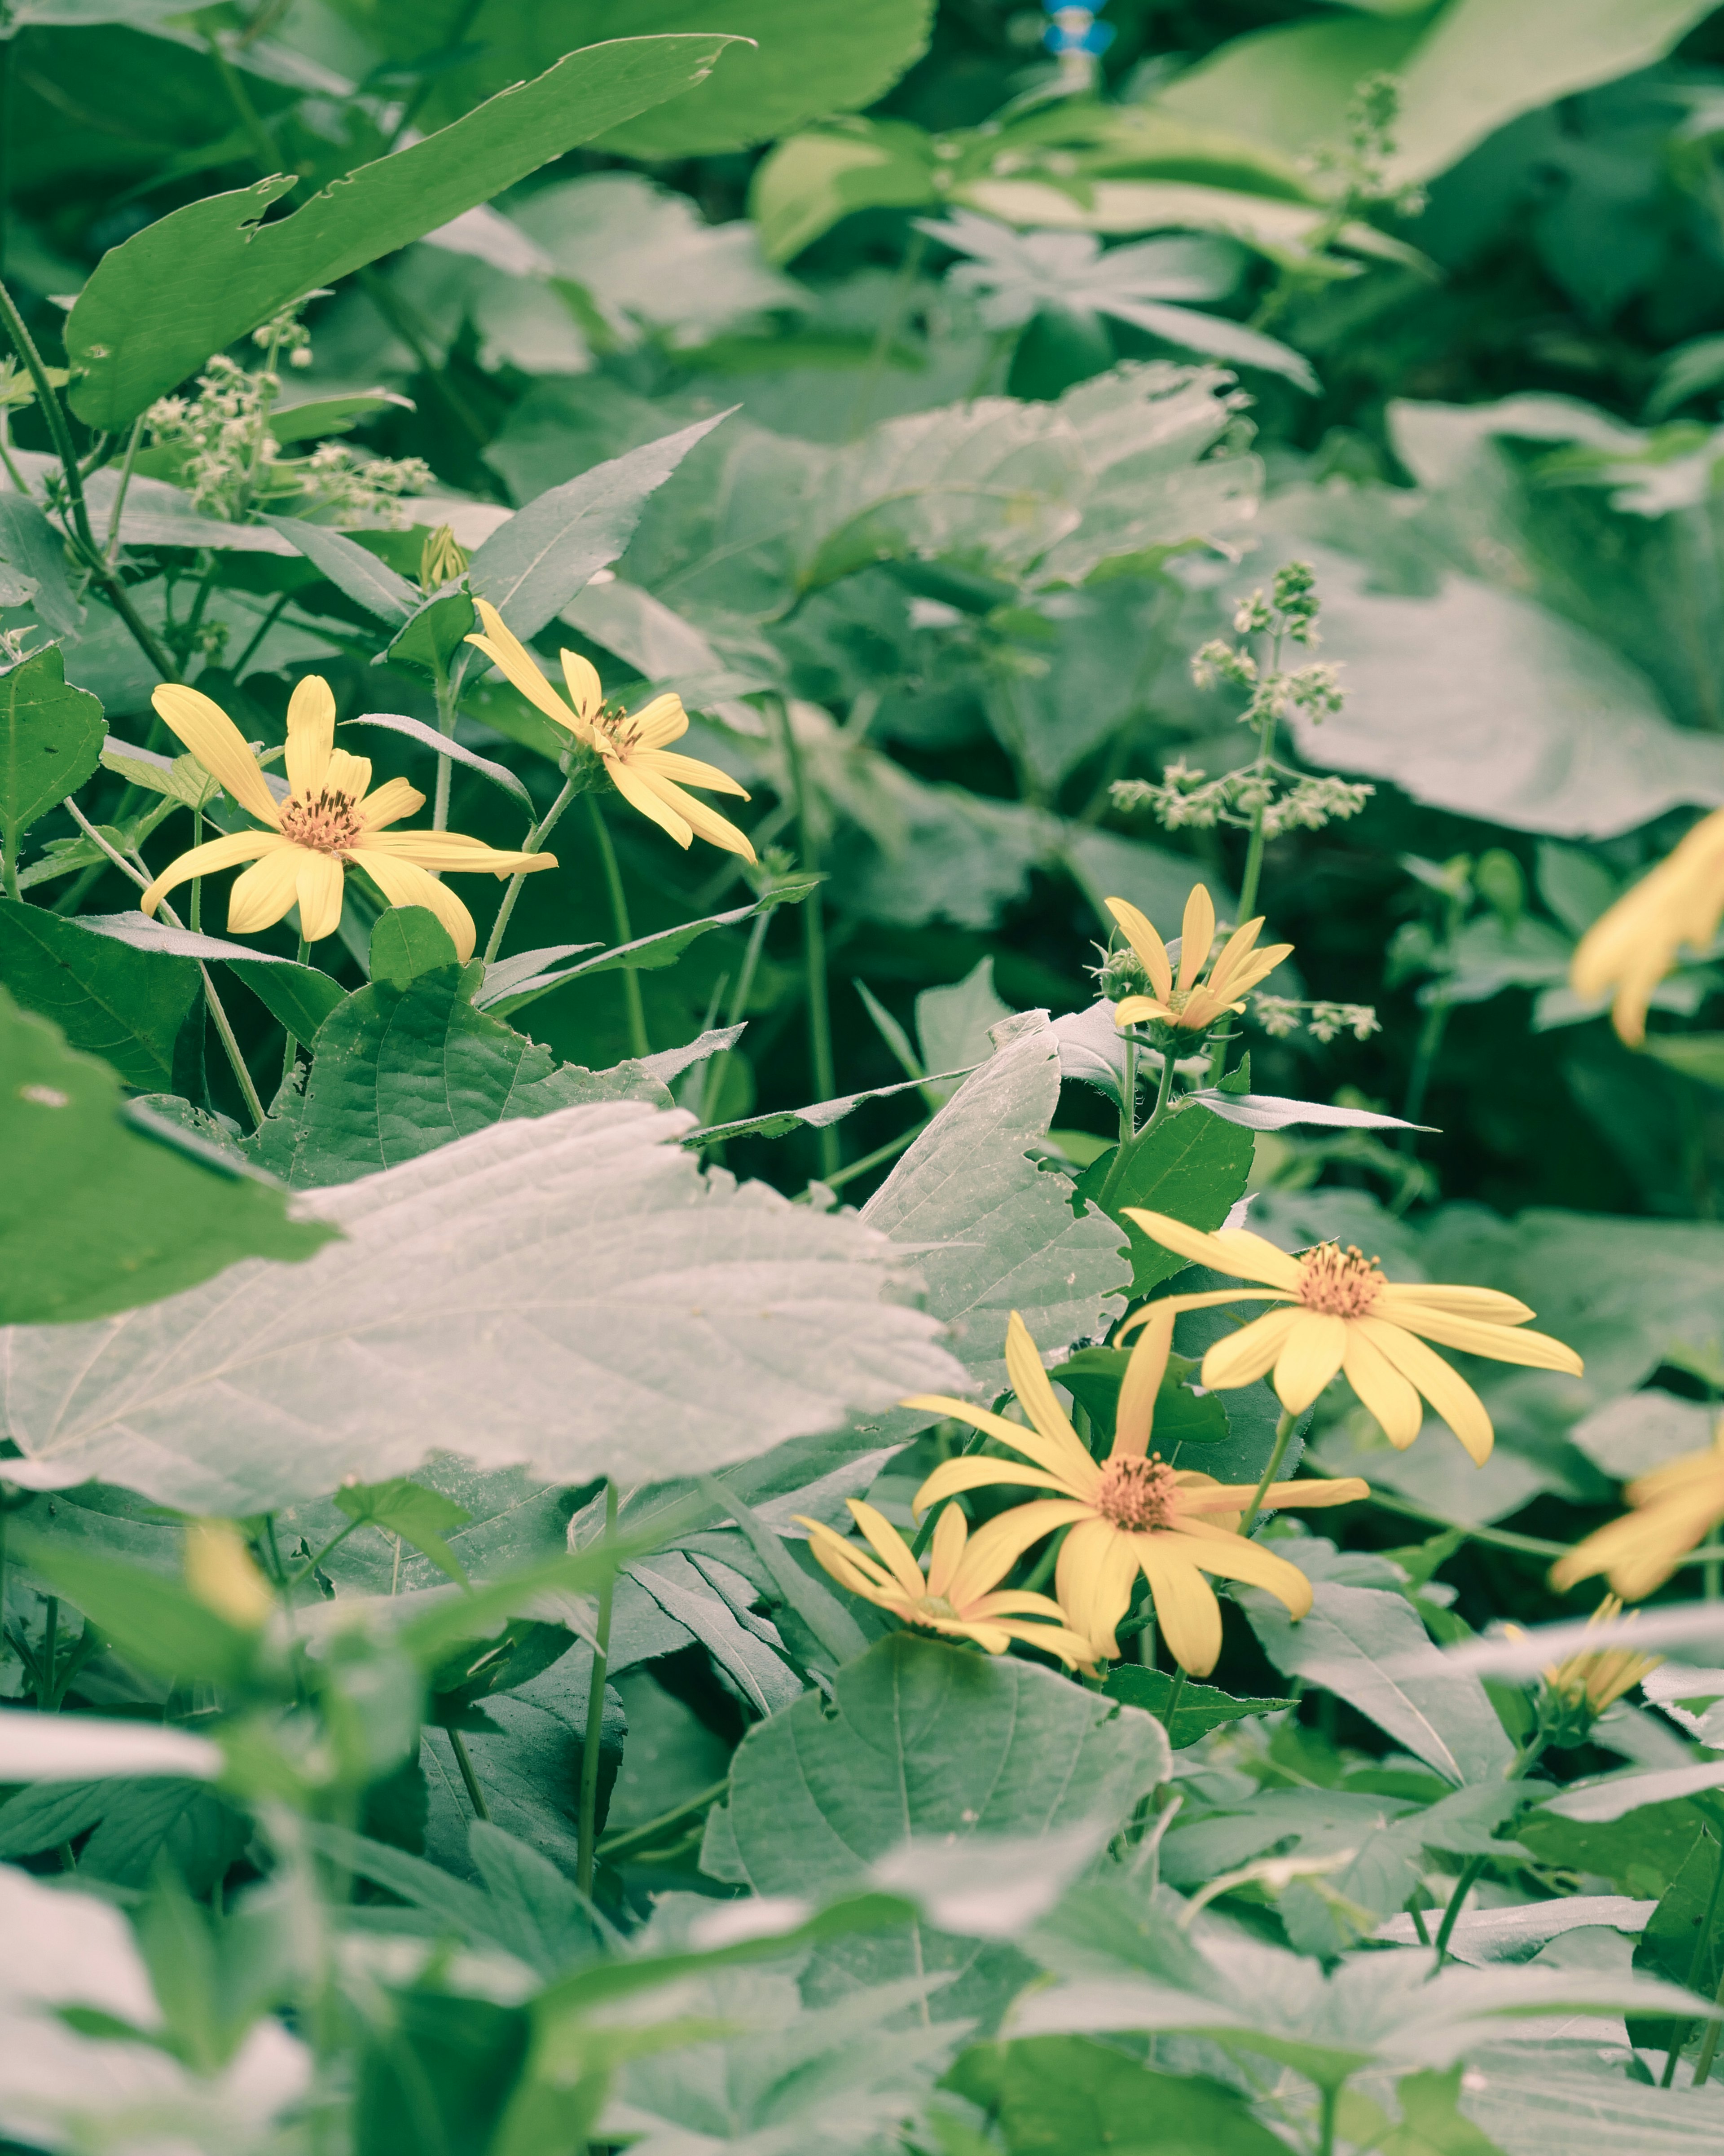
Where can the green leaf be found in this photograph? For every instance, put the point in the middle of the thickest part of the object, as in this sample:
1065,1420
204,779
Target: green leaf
416,729
160,303
819,1116
409,1509
430,637
530,568
572,1294
300,997
991,1232
819,1608
800,65
354,570
179,779
107,999
95,1216
928,1740
1191,1165
1432,2121
1201,1706
804,186
51,739
34,554
406,942
1093,1376
1067,2096
153,1621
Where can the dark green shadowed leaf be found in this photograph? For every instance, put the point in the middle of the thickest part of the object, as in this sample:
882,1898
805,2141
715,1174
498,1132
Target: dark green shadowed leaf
96,1217
1201,1706
1093,1376
51,738
416,1514
152,1620
108,999
1066,2095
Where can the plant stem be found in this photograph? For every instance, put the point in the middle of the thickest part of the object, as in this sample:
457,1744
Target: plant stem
588,1824
643,1837
1330,2099
59,431
639,1045
112,546
889,1151
739,1003
813,949
1697,1962
1173,1707
576,781
8,870
45,1700
446,728
1284,1432
1164,1086
475,1796
1128,1093
290,1051
1709,2047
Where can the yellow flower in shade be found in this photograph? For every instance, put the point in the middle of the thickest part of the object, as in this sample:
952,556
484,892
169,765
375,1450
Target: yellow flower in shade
330,822
1130,1513
1674,1509
960,1594
220,1573
1633,945
1340,1315
647,774
1192,1005
1592,1678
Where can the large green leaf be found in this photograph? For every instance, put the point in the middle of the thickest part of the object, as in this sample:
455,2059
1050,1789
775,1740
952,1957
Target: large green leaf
991,1232
1198,1708
33,567
804,63
1066,2096
1463,72
570,1292
928,1740
1191,1165
185,286
97,1216
108,999
51,739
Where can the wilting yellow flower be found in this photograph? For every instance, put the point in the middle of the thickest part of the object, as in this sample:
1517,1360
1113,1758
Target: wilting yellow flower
1675,1508
1342,1315
1592,1678
1632,946
1185,1002
220,1573
1132,1513
960,1596
330,822
649,777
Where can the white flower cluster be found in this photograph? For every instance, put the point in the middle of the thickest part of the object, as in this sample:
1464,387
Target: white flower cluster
1188,798
1281,1015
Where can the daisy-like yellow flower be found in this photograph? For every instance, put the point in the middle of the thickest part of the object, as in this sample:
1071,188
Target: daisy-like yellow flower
1674,1509
1341,1314
1632,946
960,1595
647,774
330,822
1130,1513
1186,1001
1592,1678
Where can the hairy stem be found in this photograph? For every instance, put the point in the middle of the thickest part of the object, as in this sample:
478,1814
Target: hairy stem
475,1796
1284,1432
530,844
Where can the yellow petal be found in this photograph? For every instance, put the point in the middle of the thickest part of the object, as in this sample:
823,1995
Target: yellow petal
455,850
1185,1604
393,799
1141,935
1197,932
310,736
997,1544
1245,1356
1035,1392
846,1563
688,771
1502,1343
1384,1393
268,888
215,853
1139,1010
890,1547
1134,1422
320,895
1052,1640
980,1472
347,774
1232,1250
1448,1391
586,692
405,883
1093,1578
950,1531
1279,1496
1488,1304
1310,1355
1048,1453
1235,1556
515,662
218,746
662,719
645,798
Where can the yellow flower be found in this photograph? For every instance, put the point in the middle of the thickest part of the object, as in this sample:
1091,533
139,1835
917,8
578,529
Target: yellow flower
330,822
649,777
1593,1679
1133,1512
1675,1508
960,1595
1633,945
1184,1002
220,1573
1341,1314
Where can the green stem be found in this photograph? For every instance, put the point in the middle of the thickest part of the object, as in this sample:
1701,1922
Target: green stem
719,1065
1284,1432
1696,1964
446,728
312,1563
263,145
588,1824
196,914
45,1699
813,949
1523,1759
1424,1060
1709,2048
8,866
58,429
400,318
290,1051
1330,2099
889,1151
1173,1707
1164,1086
475,1796
643,1837
1128,1093
530,844
112,546
639,1045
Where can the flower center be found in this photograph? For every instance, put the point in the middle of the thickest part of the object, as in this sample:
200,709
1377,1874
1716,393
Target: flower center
330,825
934,1605
620,732
1135,1494
1340,1283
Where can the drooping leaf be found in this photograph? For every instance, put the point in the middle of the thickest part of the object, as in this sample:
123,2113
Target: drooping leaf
107,999
573,1294
94,1215
188,285
51,738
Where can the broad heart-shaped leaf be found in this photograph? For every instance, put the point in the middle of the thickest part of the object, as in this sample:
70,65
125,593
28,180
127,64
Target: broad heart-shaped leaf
1571,2098
530,568
992,1233
1191,1165
1059,2096
406,1063
94,1215
570,1293
801,64
929,1740
1368,1647
158,305
1200,1707
108,999
51,739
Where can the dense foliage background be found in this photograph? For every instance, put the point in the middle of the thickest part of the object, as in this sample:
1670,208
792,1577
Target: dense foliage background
958,393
